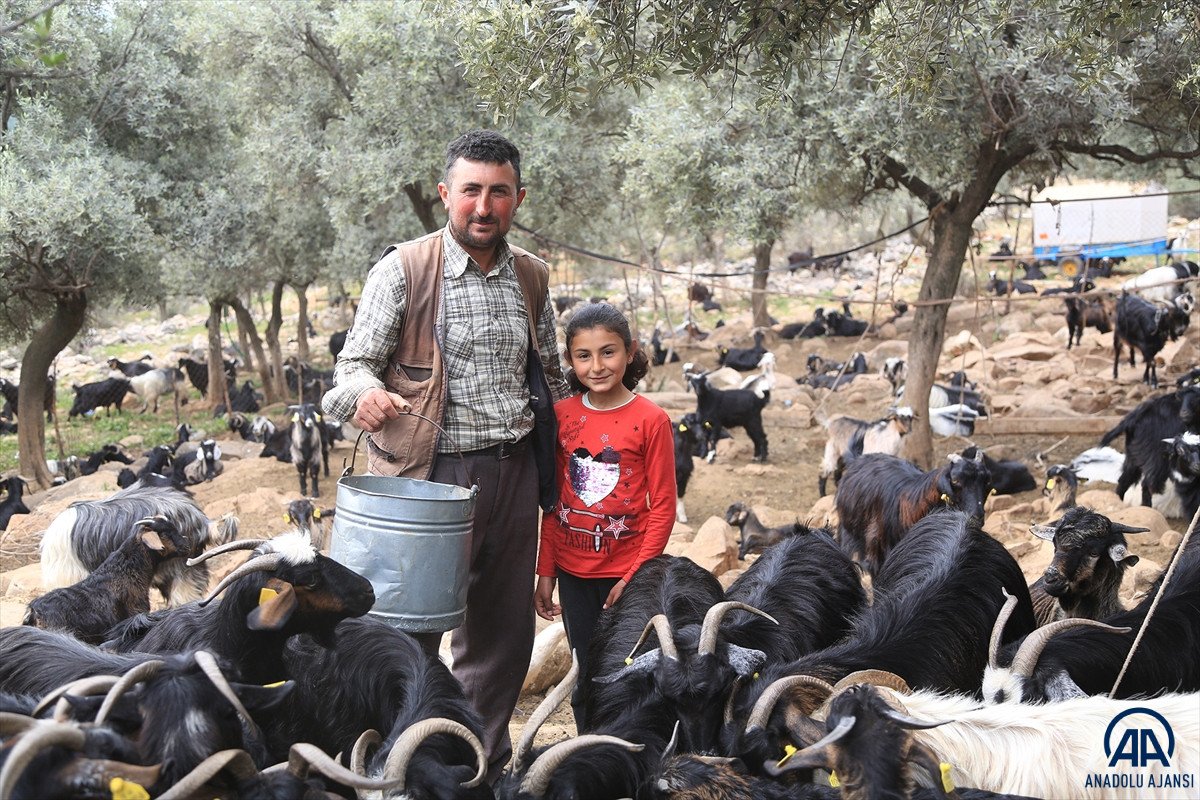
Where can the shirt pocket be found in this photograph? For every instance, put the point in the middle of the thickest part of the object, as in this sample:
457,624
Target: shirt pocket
458,349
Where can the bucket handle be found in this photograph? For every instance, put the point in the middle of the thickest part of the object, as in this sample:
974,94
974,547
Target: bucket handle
349,470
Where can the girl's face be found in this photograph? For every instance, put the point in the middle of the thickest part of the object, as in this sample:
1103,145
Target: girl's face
599,358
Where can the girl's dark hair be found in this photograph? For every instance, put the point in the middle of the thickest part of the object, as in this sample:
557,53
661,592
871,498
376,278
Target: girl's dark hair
609,317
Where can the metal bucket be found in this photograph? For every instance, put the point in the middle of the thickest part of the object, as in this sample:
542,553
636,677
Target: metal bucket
412,540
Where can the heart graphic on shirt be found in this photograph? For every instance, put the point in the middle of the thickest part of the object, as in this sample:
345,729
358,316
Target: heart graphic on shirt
593,478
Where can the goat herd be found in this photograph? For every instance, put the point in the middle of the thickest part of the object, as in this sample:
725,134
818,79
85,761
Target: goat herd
901,656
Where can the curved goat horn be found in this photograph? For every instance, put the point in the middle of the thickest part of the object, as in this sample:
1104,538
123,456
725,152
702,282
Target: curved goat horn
712,623
844,726
361,751
542,713
264,563
228,547
1010,603
141,672
12,723
666,639
83,686
542,770
1025,661
770,696
212,669
302,756
402,751
874,677
42,735
238,762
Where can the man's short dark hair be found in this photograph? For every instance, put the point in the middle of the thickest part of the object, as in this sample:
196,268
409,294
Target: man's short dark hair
487,147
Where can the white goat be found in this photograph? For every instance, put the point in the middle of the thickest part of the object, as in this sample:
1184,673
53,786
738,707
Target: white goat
1159,283
764,381
850,438
151,385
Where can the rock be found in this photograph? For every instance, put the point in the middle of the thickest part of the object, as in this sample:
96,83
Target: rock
684,531
550,661
823,513
999,502
22,584
1014,322
1102,501
1026,351
960,343
715,546
1141,517
1170,540
885,350
132,442
1145,573
726,579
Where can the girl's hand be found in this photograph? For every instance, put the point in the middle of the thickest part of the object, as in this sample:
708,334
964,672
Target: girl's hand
543,599
614,594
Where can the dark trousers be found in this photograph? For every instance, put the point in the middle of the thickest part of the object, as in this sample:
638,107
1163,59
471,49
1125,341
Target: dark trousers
493,645
582,600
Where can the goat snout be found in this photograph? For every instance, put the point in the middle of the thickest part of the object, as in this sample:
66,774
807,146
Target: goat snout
1054,581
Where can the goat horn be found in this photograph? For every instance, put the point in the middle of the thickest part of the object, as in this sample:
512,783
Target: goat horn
11,723
874,677
844,726
212,669
905,721
1025,661
666,639
542,713
228,547
145,521
238,761
81,686
712,623
542,770
141,672
669,750
302,756
770,696
33,741
1010,603
361,750
264,563
396,766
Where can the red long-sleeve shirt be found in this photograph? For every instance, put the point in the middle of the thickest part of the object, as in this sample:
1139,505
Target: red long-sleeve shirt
616,490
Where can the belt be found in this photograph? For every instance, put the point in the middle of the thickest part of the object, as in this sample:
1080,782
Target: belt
499,451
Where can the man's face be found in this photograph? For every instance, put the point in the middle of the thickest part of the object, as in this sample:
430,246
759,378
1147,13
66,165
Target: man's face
480,199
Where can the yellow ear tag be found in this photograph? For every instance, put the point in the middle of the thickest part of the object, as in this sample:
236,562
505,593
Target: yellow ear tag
295,417
789,750
628,660
945,498
1050,482
286,518
682,428
318,418
992,492
274,685
122,789
756,676
266,595
833,781
947,784
316,513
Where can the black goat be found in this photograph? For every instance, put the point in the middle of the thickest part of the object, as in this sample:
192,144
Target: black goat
754,536
337,342
158,464
239,424
1084,576
101,394
1146,429
243,399
855,365
110,452
935,601
1184,463
1074,657
843,323
12,504
196,464
1084,312
308,446
285,589
1062,483
1008,476
1144,326
115,590
378,678
743,359
881,497
131,368
11,392
729,408
83,536
197,373
1002,287
277,442
687,441
661,355
805,330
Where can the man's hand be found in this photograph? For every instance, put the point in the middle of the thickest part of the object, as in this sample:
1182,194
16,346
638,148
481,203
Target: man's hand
376,407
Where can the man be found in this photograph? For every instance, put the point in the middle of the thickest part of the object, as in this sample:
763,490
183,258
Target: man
442,330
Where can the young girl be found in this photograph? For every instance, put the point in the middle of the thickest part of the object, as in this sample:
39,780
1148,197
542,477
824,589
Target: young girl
616,462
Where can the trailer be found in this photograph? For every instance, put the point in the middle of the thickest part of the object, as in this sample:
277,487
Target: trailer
1096,225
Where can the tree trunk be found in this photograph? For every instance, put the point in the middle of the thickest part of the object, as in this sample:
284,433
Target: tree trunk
246,323
244,345
762,269
46,343
274,324
423,206
217,391
302,322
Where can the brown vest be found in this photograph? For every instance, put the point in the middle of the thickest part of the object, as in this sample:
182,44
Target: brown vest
407,446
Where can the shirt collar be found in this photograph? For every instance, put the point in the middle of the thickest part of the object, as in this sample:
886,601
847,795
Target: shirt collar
457,260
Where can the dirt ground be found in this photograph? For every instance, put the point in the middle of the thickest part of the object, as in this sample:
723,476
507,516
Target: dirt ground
257,490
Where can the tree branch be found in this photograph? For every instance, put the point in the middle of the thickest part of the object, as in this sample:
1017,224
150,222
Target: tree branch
117,69
320,55
919,188
9,27
1121,153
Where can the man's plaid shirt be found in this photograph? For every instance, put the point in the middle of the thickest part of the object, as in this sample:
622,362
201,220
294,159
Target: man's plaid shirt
483,332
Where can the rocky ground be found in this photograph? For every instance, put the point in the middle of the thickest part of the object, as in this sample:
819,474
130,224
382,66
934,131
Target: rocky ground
1017,356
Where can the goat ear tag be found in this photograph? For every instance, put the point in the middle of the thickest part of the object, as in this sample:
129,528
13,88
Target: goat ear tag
273,611
682,428
1050,482
789,750
945,498
947,784
316,513
295,417
122,789
266,595
274,685
833,780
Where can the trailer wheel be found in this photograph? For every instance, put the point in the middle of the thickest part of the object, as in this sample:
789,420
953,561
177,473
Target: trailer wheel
1069,266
